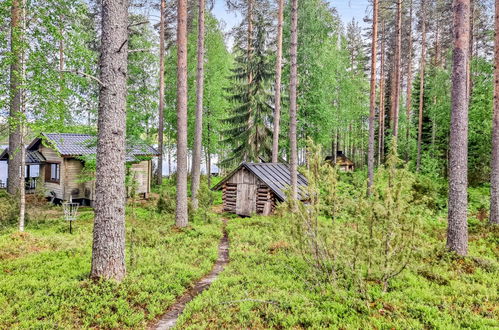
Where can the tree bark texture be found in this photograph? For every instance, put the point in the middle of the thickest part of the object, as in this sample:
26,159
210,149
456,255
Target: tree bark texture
293,100
181,215
108,251
457,230
395,88
198,133
372,108
277,87
161,108
381,128
15,120
421,85
494,178
408,104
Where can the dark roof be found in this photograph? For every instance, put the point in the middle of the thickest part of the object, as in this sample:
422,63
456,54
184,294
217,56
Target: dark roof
69,144
32,157
275,175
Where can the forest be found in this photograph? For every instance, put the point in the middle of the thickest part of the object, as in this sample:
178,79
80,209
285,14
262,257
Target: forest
229,164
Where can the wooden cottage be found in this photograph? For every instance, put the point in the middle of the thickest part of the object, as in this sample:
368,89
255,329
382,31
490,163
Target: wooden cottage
257,188
344,164
59,158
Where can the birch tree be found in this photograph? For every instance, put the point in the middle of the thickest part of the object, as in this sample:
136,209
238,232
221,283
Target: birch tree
293,99
198,133
277,87
161,108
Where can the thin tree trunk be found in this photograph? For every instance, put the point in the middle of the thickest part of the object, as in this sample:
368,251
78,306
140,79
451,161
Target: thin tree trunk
293,99
108,251
161,108
421,85
181,212
372,110
198,134
22,187
381,130
395,90
250,39
408,105
277,87
470,50
494,177
457,231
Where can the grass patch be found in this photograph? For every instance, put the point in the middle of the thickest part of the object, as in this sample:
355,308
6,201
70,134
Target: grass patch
43,281
267,285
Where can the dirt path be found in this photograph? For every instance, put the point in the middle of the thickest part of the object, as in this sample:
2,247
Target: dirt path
169,319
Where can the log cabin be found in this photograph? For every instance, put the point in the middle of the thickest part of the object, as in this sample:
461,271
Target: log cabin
344,164
60,160
256,188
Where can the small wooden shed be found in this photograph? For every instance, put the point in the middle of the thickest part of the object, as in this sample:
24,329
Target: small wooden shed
344,164
257,188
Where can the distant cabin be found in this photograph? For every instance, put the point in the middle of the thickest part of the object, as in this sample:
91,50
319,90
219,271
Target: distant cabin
344,164
256,188
56,160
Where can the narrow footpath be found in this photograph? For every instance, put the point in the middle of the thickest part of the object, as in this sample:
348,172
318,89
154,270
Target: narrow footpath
169,319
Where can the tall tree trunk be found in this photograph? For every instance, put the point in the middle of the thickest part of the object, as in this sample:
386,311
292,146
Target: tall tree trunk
198,134
381,124
408,104
457,231
395,88
494,178
161,108
372,110
108,251
277,87
181,212
250,39
293,99
470,49
15,126
421,84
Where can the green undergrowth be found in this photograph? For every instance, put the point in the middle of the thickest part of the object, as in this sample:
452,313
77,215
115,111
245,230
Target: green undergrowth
44,271
268,284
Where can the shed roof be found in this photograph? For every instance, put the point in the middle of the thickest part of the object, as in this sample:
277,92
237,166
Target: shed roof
33,157
275,175
70,144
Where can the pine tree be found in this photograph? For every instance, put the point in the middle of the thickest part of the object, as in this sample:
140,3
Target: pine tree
494,178
181,211
108,251
457,230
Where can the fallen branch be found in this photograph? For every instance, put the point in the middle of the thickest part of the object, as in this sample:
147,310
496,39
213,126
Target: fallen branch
84,75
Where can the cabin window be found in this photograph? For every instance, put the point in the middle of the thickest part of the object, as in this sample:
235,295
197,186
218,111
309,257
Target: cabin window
53,172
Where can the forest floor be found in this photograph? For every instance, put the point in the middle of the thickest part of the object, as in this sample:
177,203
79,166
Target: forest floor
267,284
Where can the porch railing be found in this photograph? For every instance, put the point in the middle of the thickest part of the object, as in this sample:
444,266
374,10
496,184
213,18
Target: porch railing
30,184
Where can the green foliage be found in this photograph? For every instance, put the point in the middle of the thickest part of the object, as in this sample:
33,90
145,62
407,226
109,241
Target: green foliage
166,203
9,210
249,134
269,284
45,271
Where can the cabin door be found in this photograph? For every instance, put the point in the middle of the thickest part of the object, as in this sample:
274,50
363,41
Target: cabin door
246,199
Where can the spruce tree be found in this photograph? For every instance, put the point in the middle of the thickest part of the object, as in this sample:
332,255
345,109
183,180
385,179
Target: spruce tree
249,132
